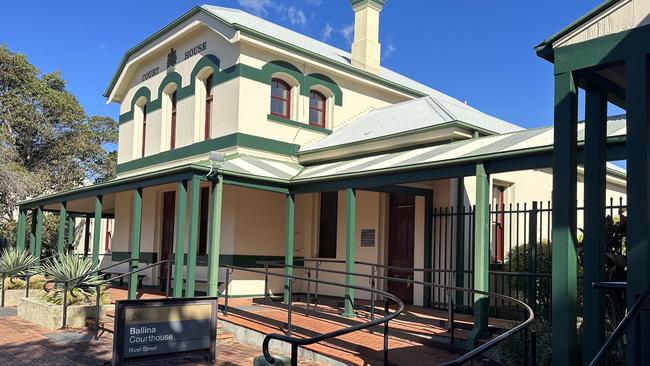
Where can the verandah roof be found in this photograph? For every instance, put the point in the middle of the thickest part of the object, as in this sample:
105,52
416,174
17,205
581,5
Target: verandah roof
246,170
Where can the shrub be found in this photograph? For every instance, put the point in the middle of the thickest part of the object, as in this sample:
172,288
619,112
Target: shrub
81,275
14,262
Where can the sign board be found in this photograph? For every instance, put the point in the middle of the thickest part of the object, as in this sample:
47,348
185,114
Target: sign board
367,237
164,328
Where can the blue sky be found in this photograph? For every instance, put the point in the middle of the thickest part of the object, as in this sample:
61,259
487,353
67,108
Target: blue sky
475,50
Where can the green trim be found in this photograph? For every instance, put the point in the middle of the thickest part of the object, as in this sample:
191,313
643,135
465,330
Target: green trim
293,123
544,48
97,228
63,218
341,66
316,79
145,257
20,235
288,244
39,232
136,237
481,255
564,256
119,185
181,212
193,235
350,243
215,236
204,147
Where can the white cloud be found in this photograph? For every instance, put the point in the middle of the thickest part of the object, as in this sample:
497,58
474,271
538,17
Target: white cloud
296,16
348,32
326,34
389,49
258,7
102,47
314,2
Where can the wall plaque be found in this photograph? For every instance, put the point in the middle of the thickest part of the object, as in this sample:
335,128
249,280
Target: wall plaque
368,237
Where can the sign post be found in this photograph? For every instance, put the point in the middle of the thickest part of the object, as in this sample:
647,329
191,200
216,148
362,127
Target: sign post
164,329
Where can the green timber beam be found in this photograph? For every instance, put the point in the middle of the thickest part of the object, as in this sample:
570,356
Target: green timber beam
481,256
38,240
72,230
62,222
20,229
214,250
193,236
638,222
350,234
428,247
564,267
97,228
136,237
179,254
594,221
460,240
32,231
87,235
289,244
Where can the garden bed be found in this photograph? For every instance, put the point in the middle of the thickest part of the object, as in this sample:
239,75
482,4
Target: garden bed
50,316
12,297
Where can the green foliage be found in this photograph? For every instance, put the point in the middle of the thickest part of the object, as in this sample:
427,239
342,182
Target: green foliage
510,352
80,274
15,262
47,142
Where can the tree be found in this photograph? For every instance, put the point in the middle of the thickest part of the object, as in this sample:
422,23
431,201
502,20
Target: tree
47,142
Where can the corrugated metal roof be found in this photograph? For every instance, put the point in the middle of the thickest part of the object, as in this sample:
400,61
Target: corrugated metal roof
261,167
408,116
497,144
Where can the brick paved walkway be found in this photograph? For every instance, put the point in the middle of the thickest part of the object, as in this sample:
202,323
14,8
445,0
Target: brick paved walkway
23,343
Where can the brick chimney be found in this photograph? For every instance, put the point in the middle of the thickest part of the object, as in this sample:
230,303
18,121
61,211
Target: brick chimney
366,50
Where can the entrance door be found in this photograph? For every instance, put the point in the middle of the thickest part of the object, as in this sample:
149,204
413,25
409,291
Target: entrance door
401,233
167,237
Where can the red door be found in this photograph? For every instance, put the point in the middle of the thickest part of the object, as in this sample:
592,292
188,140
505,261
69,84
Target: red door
401,231
167,237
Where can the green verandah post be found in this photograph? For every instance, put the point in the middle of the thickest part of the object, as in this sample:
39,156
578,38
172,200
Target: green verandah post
63,217
638,225
288,247
20,234
350,234
428,246
32,231
72,228
179,254
39,232
481,255
564,259
460,240
215,236
594,221
195,190
97,229
136,231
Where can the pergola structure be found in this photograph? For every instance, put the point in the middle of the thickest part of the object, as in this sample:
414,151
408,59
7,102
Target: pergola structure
605,53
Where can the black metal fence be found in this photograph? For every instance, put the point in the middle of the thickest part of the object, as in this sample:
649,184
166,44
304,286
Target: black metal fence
520,253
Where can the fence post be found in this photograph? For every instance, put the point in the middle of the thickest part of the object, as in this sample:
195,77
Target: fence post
532,257
372,294
386,309
289,303
98,310
2,302
308,290
225,293
266,282
65,304
450,316
533,349
27,285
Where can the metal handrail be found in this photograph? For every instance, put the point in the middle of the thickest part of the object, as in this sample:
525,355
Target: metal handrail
621,328
102,283
297,342
466,357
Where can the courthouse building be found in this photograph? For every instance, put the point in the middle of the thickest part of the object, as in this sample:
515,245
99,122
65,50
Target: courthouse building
327,154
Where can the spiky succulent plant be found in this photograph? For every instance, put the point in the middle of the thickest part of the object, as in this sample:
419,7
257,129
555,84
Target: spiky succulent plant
79,273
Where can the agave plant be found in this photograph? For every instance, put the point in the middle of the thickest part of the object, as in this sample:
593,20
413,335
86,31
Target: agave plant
14,262
79,273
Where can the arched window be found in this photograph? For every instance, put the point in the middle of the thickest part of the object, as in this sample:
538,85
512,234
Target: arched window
172,124
144,126
280,98
208,107
317,108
